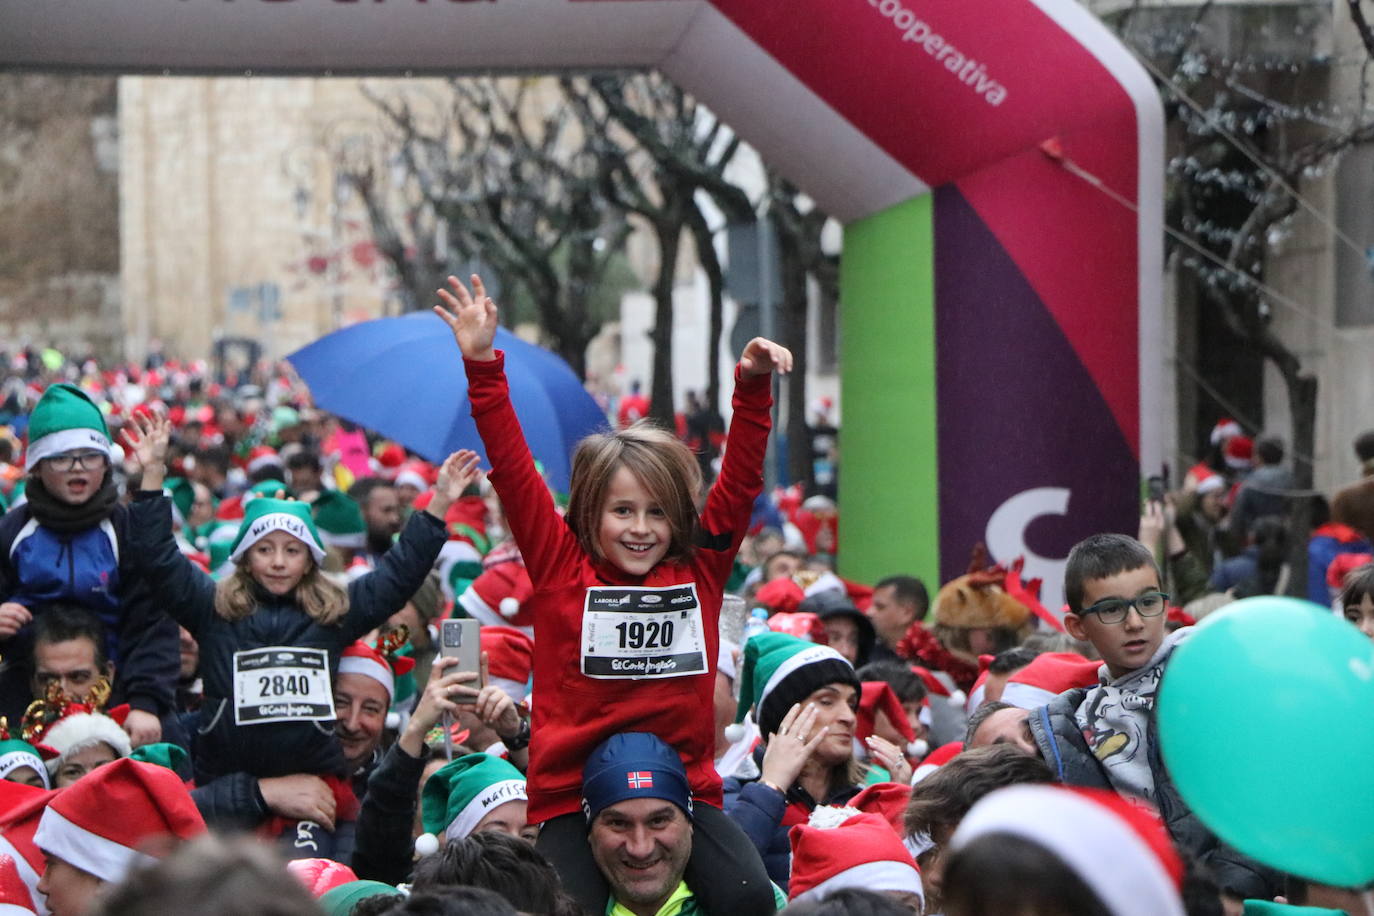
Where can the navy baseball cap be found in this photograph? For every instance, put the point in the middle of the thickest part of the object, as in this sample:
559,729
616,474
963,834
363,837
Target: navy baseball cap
633,765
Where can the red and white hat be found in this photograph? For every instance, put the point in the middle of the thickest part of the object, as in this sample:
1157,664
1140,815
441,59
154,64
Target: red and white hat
835,851
415,474
876,696
888,799
24,805
497,596
1226,428
1238,451
1047,676
14,894
1141,877
360,658
103,822
320,875
510,660
781,596
260,456
1210,484
937,758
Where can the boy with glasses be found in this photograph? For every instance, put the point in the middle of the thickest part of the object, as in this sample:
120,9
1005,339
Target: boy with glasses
64,545
1105,736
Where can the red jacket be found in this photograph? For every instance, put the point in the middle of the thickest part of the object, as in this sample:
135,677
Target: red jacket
574,713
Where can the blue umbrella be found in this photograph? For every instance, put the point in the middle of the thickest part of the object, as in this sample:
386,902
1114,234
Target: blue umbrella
403,377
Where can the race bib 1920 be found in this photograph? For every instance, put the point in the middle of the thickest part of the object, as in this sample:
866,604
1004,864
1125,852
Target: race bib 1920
630,632
282,684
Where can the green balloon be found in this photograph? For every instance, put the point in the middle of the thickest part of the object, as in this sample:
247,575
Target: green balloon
1266,724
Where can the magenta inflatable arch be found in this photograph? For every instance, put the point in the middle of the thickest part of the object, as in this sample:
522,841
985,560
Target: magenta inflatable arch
998,166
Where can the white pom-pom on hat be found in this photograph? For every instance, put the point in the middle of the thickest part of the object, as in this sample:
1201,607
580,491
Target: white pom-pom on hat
735,732
426,844
918,748
826,817
509,607
393,720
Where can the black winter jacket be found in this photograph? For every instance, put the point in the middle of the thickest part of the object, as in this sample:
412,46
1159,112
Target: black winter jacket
1064,748
274,748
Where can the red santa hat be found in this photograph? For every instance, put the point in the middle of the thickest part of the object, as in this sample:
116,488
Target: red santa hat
510,659
319,875
103,823
391,456
875,696
1210,484
417,474
1141,877
888,799
937,758
1226,428
1047,676
360,658
24,806
1238,452
840,848
261,456
15,899
497,595
780,596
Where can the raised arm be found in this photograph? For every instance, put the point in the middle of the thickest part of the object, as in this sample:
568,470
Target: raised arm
402,569
183,591
545,542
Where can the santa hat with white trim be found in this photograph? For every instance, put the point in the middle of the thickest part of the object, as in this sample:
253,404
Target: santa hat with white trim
936,759
779,670
414,474
463,791
63,420
1047,676
77,731
24,805
15,899
262,456
498,594
510,660
861,850
360,658
1141,877
103,823
266,514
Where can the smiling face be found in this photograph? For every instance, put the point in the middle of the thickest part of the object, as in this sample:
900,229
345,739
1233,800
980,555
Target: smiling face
76,486
1127,645
633,534
278,562
641,845
360,704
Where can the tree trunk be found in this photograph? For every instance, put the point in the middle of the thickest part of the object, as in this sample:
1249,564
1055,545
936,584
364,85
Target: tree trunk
715,279
1302,408
794,303
669,233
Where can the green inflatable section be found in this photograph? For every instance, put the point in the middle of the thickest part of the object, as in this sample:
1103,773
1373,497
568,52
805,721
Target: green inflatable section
890,522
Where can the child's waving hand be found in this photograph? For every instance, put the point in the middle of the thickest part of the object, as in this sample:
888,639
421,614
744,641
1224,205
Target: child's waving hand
147,436
471,317
458,471
761,356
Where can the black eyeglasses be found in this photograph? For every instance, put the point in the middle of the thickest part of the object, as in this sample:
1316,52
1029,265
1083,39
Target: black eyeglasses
1114,610
80,461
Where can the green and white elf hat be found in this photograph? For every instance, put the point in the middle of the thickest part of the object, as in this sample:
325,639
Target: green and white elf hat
340,520
65,419
15,753
779,670
267,514
183,495
462,792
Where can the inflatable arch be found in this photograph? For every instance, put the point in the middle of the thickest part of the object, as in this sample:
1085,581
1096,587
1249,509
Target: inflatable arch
997,165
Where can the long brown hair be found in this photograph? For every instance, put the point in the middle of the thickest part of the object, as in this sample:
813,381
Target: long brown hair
661,462
320,599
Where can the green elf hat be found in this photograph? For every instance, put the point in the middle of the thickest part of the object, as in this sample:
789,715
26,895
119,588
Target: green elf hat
779,670
64,419
340,520
163,754
340,900
267,514
183,495
15,753
462,792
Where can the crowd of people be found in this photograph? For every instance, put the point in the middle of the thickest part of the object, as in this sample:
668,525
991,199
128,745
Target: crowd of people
229,684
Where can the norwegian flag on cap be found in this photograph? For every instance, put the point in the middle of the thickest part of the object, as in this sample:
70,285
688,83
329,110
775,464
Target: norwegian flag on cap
640,779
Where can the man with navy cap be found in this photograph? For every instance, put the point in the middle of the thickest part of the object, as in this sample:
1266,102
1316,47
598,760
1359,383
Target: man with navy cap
639,824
